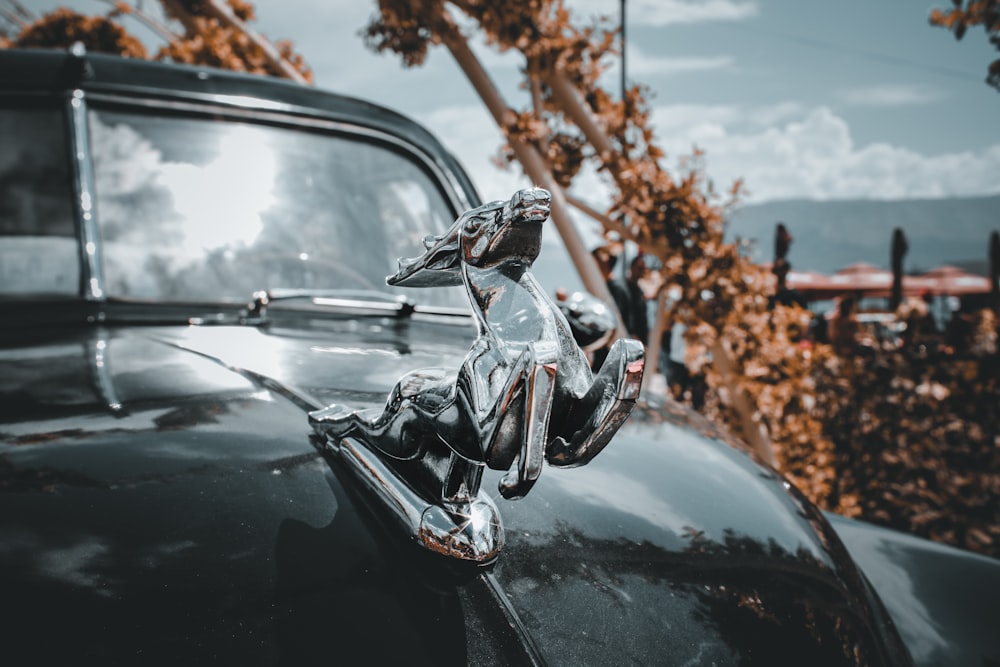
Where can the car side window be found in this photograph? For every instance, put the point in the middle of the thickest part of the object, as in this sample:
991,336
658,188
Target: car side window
39,250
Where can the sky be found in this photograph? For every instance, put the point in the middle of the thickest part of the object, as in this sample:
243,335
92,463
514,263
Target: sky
802,100
832,100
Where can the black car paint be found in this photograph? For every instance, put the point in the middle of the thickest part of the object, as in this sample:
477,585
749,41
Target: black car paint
162,497
944,600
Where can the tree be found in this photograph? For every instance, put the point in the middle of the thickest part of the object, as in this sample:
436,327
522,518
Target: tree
969,13
200,32
64,27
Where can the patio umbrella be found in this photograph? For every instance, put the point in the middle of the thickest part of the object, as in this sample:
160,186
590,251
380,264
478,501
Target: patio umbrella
813,285
862,277
953,281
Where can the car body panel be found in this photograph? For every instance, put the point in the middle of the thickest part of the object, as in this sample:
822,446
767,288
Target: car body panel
943,600
162,483
157,506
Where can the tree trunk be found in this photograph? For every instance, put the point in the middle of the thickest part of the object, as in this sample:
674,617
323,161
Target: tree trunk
534,166
753,433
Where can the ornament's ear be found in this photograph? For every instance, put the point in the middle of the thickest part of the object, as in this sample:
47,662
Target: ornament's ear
441,263
439,266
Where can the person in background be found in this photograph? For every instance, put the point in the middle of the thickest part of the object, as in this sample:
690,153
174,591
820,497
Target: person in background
843,327
629,298
960,331
636,315
677,373
606,262
921,327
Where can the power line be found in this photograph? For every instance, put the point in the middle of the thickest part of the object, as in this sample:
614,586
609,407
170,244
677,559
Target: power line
825,45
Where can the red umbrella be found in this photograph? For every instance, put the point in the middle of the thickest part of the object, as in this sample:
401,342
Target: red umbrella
919,285
862,277
953,281
813,285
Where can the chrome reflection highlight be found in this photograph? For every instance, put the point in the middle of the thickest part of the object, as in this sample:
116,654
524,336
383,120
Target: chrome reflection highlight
590,319
524,394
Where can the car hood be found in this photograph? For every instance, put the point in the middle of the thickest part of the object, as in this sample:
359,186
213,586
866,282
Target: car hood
161,494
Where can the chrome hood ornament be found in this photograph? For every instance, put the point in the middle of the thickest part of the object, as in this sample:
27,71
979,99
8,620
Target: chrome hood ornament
523,395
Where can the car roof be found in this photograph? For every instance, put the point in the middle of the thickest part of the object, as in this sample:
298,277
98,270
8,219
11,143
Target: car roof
51,71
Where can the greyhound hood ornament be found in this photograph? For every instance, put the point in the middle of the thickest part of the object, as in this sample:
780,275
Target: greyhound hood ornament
523,395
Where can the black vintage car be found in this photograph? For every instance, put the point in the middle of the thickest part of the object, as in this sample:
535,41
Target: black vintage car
192,267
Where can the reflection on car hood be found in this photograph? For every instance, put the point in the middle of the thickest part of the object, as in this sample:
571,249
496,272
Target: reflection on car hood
162,482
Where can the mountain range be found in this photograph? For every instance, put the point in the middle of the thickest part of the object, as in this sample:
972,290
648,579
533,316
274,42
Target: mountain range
829,235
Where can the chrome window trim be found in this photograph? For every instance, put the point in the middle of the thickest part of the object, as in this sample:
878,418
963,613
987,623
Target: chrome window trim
92,271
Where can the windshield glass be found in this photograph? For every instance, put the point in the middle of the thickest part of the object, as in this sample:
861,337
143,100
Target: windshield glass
196,209
39,253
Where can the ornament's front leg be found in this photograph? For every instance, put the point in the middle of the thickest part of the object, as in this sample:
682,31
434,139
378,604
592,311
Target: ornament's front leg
515,425
595,418
539,385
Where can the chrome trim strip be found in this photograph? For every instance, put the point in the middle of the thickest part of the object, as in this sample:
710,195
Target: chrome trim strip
515,623
468,530
98,349
83,184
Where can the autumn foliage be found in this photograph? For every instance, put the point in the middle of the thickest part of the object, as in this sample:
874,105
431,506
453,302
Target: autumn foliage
889,435
197,32
209,41
965,14
63,27
916,440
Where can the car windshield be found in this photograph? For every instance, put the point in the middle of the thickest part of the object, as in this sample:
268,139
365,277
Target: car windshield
208,209
192,208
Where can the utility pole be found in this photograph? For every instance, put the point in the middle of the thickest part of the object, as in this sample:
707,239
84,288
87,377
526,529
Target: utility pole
623,49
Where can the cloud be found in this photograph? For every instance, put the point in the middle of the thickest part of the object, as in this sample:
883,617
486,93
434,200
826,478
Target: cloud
680,118
781,151
660,13
663,13
788,152
640,64
891,95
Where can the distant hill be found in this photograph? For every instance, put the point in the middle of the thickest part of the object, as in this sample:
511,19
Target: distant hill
828,235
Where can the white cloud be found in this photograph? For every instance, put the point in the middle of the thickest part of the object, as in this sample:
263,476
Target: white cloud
811,154
680,118
891,95
782,151
640,64
667,12
661,13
